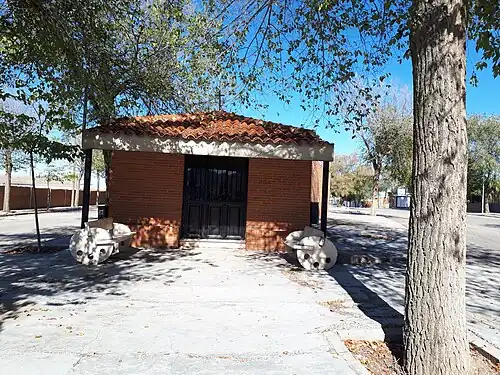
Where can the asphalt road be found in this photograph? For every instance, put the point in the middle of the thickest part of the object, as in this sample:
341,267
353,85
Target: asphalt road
482,231
55,228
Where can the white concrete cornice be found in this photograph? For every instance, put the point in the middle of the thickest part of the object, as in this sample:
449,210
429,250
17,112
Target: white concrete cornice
124,142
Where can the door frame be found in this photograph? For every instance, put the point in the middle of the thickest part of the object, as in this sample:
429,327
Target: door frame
206,162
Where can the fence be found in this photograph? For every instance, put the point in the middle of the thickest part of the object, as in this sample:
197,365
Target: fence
476,207
23,197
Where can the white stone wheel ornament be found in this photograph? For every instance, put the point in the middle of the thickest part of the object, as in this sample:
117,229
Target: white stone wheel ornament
122,230
316,253
91,246
292,239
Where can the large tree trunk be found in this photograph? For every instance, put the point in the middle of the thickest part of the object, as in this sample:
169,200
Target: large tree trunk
435,320
8,173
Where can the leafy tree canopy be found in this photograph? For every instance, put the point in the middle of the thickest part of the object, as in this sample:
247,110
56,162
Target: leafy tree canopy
484,154
127,56
350,179
29,130
321,48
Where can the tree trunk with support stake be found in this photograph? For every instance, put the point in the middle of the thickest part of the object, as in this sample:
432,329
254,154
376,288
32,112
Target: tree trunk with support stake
435,336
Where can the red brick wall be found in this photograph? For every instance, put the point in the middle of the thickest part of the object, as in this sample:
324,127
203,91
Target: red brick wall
61,198
20,197
279,196
145,192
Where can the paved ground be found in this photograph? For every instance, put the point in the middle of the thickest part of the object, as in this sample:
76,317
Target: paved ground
170,312
211,311
385,236
55,227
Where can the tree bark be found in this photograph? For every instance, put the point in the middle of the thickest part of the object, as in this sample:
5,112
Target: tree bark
33,185
107,171
486,193
73,188
8,174
435,336
77,193
375,190
482,198
97,192
49,197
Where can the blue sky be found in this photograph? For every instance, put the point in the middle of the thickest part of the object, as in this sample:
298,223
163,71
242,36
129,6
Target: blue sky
483,99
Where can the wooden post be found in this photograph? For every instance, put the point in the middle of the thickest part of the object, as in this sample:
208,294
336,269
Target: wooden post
86,186
324,195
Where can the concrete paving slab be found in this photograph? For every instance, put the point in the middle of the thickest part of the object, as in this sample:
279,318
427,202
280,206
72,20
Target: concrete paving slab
175,312
38,363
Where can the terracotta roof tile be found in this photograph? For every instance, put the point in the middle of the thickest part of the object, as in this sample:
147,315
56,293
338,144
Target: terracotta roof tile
210,126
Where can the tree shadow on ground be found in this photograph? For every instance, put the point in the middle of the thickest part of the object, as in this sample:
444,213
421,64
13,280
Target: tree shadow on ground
369,301
49,236
495,226
365,243
56,279
376,283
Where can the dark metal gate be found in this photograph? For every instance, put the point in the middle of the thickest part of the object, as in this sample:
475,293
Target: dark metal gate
215,197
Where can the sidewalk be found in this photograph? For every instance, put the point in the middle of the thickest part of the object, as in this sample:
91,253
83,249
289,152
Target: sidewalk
377,246
366,211
169,312
31,211
495,215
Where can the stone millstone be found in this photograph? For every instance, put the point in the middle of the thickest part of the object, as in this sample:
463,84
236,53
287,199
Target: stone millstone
91,246
292,240
121,230
316,253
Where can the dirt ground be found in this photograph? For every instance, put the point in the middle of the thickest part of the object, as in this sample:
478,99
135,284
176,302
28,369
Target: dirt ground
383,359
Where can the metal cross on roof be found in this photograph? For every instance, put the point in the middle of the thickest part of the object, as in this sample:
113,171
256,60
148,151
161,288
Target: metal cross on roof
219,96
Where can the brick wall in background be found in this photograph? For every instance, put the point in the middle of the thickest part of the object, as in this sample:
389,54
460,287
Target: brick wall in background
279,198
21,197
145,192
